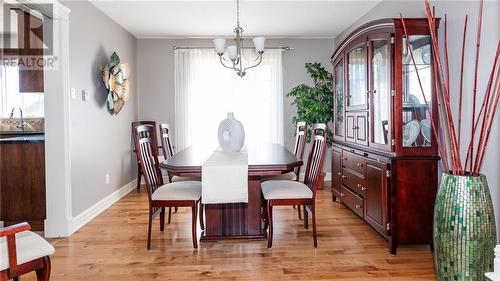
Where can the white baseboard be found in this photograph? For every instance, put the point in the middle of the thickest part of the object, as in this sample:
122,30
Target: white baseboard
86,216
328,176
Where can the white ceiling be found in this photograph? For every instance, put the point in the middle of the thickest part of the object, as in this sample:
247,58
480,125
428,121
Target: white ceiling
271,18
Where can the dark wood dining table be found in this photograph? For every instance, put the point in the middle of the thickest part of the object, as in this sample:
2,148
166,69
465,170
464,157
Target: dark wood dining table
235,220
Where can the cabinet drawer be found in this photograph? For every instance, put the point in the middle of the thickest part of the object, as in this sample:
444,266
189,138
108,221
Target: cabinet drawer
353,162
351,200
353,181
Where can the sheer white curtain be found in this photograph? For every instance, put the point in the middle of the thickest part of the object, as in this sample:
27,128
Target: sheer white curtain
205,91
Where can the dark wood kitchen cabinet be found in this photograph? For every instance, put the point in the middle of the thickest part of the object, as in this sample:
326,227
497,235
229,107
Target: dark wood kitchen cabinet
384,157
22,181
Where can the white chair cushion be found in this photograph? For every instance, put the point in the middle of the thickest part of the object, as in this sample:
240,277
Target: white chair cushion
283,189
291,176
184,190
29,246
179,179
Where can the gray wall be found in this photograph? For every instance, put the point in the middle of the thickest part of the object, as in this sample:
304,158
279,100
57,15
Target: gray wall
456,11
155,59
100,142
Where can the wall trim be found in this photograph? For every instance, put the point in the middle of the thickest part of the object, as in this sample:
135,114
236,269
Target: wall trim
93,211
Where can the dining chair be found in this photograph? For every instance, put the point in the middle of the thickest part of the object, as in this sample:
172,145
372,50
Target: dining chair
154,138
23,251
168,152
298,150
286,192
160,195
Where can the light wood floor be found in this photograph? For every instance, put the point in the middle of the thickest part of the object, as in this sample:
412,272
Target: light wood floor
113,247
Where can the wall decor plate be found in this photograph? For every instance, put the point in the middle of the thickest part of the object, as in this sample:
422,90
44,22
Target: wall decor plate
115,76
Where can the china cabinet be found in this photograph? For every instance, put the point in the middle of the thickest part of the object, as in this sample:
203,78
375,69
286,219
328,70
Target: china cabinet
384,157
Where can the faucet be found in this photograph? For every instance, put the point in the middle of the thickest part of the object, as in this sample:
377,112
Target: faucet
20,125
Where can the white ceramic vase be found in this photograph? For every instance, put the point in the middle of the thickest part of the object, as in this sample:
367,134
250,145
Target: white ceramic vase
231,134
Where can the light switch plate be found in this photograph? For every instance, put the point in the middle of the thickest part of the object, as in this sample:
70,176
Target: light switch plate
85,95
73,93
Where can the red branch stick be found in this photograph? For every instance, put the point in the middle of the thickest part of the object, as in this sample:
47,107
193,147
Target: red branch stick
455,152
462,81
488,107
491,116
446,51
474,90
442,119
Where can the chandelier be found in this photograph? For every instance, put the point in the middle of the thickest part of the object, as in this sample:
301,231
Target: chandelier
235,52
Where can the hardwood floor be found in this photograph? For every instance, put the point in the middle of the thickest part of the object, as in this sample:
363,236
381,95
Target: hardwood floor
113,247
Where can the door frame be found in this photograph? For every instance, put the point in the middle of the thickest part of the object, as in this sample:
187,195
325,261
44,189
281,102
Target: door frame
57,127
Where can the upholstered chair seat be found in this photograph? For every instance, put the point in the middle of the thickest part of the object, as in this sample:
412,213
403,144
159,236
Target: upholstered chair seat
22,252
285,189
184,190
29,246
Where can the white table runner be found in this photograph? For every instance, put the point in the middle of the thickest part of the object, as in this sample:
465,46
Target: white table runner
224,178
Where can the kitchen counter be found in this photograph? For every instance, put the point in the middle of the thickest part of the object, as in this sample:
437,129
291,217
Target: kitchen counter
27,138
19,132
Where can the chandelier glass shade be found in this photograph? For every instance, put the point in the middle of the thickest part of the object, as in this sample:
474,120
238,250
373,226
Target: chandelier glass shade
234,52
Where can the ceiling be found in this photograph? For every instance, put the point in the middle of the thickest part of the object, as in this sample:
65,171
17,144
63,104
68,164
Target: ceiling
271,18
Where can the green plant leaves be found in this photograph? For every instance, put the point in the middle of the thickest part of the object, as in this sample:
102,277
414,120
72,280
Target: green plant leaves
314,103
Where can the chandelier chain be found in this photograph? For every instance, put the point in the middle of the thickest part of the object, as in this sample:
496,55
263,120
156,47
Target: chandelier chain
238,13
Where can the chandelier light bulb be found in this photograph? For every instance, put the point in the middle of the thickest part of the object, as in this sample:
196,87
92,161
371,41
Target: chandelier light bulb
219,45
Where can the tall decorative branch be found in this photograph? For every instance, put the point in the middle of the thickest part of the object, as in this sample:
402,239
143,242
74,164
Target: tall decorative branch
481,123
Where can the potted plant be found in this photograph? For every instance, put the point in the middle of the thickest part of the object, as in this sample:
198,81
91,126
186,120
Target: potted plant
464,223
315,103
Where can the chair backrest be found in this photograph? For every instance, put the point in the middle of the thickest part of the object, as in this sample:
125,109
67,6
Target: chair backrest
316,157
146,133
165,140
145,144
300,139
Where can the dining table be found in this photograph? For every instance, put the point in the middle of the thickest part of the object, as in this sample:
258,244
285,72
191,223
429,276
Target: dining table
235,220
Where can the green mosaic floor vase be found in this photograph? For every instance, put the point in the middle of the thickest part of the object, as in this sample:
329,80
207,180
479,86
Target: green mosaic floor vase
464,229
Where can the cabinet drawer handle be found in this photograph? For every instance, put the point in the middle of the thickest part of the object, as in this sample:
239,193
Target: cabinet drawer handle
340,174
342,194
359,164
344,176
358,206
345,158
361,186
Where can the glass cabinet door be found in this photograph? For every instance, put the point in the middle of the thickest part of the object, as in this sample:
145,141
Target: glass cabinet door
417,130
380,91
339,99
356,59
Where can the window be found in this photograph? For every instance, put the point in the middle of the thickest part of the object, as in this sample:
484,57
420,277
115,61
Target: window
32,104
205,92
